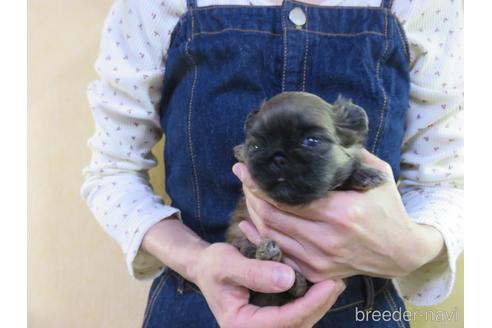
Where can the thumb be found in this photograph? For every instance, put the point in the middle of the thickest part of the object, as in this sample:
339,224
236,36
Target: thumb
262,276
242,172
375,162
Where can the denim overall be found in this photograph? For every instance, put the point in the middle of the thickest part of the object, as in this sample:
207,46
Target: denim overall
223,61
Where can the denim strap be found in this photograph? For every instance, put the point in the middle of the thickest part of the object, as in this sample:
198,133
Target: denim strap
370,293
191,3
386,4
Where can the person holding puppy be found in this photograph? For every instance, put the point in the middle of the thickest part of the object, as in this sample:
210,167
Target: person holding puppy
195,71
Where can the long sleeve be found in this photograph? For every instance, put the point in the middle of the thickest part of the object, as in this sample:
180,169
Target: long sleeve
431,179
124,103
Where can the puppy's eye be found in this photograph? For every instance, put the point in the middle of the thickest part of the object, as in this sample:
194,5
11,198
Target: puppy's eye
311,141
254,146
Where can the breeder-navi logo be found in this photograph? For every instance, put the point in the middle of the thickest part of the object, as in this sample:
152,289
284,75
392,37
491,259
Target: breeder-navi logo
405,315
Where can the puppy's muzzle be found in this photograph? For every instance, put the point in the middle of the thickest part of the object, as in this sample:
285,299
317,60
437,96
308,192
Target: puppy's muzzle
278,163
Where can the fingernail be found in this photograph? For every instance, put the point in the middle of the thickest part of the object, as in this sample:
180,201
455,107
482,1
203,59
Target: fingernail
283,278
236,170
241,224
342,287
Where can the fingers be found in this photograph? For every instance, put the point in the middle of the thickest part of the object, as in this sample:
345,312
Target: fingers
267,208
289,245
250,232
267,218
311,259
242,172
286,243
329,293
313,210
261,276
302,312
374,161
249,186
370,159
290,262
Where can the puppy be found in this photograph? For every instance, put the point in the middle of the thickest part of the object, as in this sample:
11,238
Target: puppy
298,148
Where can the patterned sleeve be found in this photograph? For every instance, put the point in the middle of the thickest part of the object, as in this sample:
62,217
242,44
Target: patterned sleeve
431,182
124,103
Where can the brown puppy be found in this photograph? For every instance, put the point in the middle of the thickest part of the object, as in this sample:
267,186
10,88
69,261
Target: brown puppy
298,148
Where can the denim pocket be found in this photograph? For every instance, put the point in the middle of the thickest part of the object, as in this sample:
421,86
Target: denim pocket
170,308
154,291
396,307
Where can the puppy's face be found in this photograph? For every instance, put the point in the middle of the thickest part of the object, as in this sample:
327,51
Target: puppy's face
296,149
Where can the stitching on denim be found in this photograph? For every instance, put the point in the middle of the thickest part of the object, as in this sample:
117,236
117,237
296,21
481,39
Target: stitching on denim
153,297
359,302
180,284
387,5
332,7
370,293
196,187
306,43
285,49
403,38
379,79
186,285
342,34
192,22
392,305
212,7
231,29
191,3
343,307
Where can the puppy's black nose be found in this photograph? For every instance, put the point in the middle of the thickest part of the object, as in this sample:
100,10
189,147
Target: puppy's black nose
279,161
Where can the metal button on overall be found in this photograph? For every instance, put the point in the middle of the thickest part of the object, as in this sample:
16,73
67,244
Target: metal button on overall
297,17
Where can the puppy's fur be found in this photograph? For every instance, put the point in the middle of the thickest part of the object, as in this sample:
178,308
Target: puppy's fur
298,148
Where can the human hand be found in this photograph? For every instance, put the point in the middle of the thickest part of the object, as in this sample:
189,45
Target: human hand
224,276
344,233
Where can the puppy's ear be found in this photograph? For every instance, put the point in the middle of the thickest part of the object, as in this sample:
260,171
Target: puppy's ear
351,122
239,153
250,120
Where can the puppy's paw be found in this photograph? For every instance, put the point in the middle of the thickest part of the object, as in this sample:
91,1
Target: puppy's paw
268,250
245,247
300,287
365,178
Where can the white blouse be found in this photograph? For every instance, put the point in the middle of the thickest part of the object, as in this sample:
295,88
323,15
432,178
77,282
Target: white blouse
124,102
